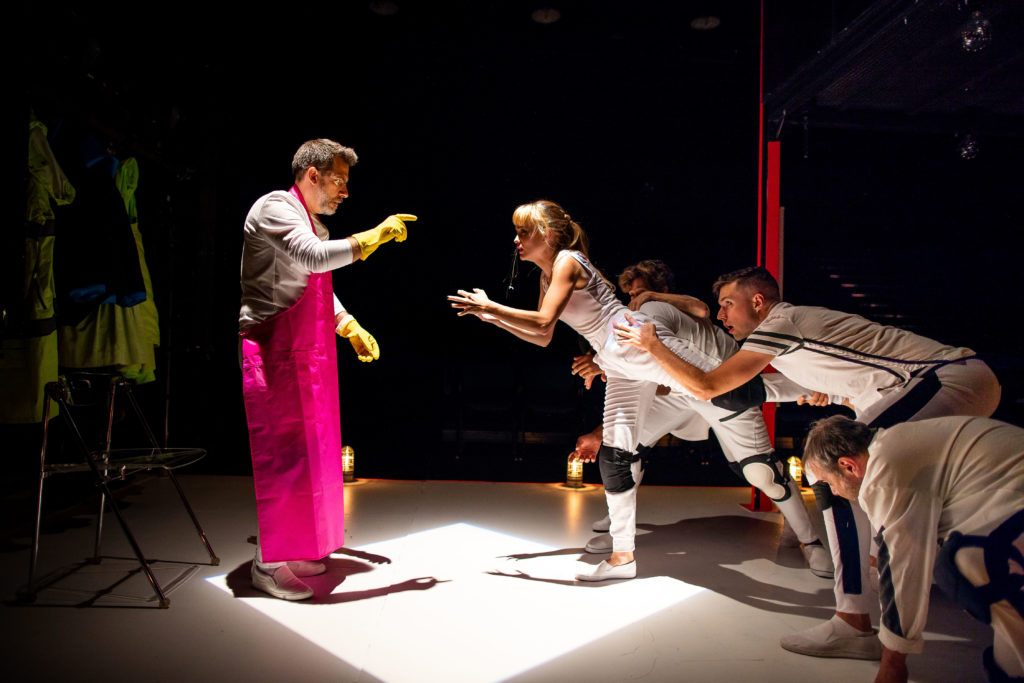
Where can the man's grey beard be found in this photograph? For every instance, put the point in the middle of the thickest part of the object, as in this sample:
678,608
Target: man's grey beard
323,205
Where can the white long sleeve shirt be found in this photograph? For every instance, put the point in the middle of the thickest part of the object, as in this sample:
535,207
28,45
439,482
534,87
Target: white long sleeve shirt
281,248
845,355
923,481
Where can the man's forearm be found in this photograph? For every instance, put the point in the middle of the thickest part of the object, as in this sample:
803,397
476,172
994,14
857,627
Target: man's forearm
687,304
705,385
357,252
691,377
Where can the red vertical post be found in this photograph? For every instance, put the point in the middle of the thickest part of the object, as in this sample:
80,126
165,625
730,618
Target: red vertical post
772,212
772,249
769,237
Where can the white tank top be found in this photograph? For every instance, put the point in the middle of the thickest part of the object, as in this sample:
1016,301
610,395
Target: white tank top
591,310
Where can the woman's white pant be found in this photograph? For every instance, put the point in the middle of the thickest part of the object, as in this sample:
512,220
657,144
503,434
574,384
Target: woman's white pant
636,416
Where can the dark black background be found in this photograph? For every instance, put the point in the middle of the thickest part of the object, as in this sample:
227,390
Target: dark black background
643,128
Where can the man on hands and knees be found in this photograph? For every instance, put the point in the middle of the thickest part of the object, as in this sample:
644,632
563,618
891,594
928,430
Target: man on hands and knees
889,376
288,321
954,481
742,434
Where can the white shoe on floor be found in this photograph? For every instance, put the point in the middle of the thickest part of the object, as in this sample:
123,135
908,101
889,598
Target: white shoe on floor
599,544
303,568
602,525
834,638
280,582
819,560
605,571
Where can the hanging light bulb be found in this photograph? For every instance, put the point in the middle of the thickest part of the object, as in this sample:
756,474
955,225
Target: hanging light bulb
385,8
706,23
967,148
546,15
976,33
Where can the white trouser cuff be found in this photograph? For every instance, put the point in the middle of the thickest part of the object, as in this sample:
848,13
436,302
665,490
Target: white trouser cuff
795,513
260,564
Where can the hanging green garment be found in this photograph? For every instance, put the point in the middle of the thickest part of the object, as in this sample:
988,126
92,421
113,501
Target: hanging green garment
113,336
28,358
47,183
127,181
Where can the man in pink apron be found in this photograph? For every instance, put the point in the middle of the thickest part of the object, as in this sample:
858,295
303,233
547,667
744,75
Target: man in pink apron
287,323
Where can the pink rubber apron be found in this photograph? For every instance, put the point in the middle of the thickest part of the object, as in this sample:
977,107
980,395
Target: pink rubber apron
290,386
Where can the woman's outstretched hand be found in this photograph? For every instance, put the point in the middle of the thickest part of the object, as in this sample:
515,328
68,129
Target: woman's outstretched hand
471,303
639,335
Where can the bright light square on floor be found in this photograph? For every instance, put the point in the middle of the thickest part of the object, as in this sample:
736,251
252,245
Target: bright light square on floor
474,625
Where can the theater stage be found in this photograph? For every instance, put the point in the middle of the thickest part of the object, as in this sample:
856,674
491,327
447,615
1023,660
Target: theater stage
442,581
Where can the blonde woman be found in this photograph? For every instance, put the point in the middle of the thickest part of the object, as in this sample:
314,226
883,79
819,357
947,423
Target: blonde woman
574,291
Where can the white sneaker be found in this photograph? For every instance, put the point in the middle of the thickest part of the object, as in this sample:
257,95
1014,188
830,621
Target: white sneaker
605,571
819,560
602,525
599,544
834,638
303,568
281,583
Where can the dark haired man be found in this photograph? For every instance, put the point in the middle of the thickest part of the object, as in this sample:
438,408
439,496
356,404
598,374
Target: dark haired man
287,324
958,481
888,375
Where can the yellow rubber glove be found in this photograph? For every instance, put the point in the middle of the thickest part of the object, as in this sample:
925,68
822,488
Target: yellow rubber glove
392,228
362,341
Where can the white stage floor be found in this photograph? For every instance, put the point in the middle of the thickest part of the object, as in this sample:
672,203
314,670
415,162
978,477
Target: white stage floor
446,581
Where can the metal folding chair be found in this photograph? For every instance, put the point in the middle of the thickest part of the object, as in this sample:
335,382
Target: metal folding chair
108,465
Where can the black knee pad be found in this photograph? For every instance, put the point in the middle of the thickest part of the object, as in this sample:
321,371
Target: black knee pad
749,395
970,597
616,472
999,556
737,469
765,471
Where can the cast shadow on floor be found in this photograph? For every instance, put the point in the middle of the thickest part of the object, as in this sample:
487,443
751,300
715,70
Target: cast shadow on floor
714,552
338,569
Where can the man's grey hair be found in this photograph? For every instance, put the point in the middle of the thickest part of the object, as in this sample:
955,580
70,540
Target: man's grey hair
833,438
320,155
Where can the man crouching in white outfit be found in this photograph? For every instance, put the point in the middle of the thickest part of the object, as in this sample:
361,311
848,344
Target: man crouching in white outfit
958,481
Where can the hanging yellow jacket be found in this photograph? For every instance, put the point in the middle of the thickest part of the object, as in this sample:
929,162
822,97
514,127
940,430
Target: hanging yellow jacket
28,350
